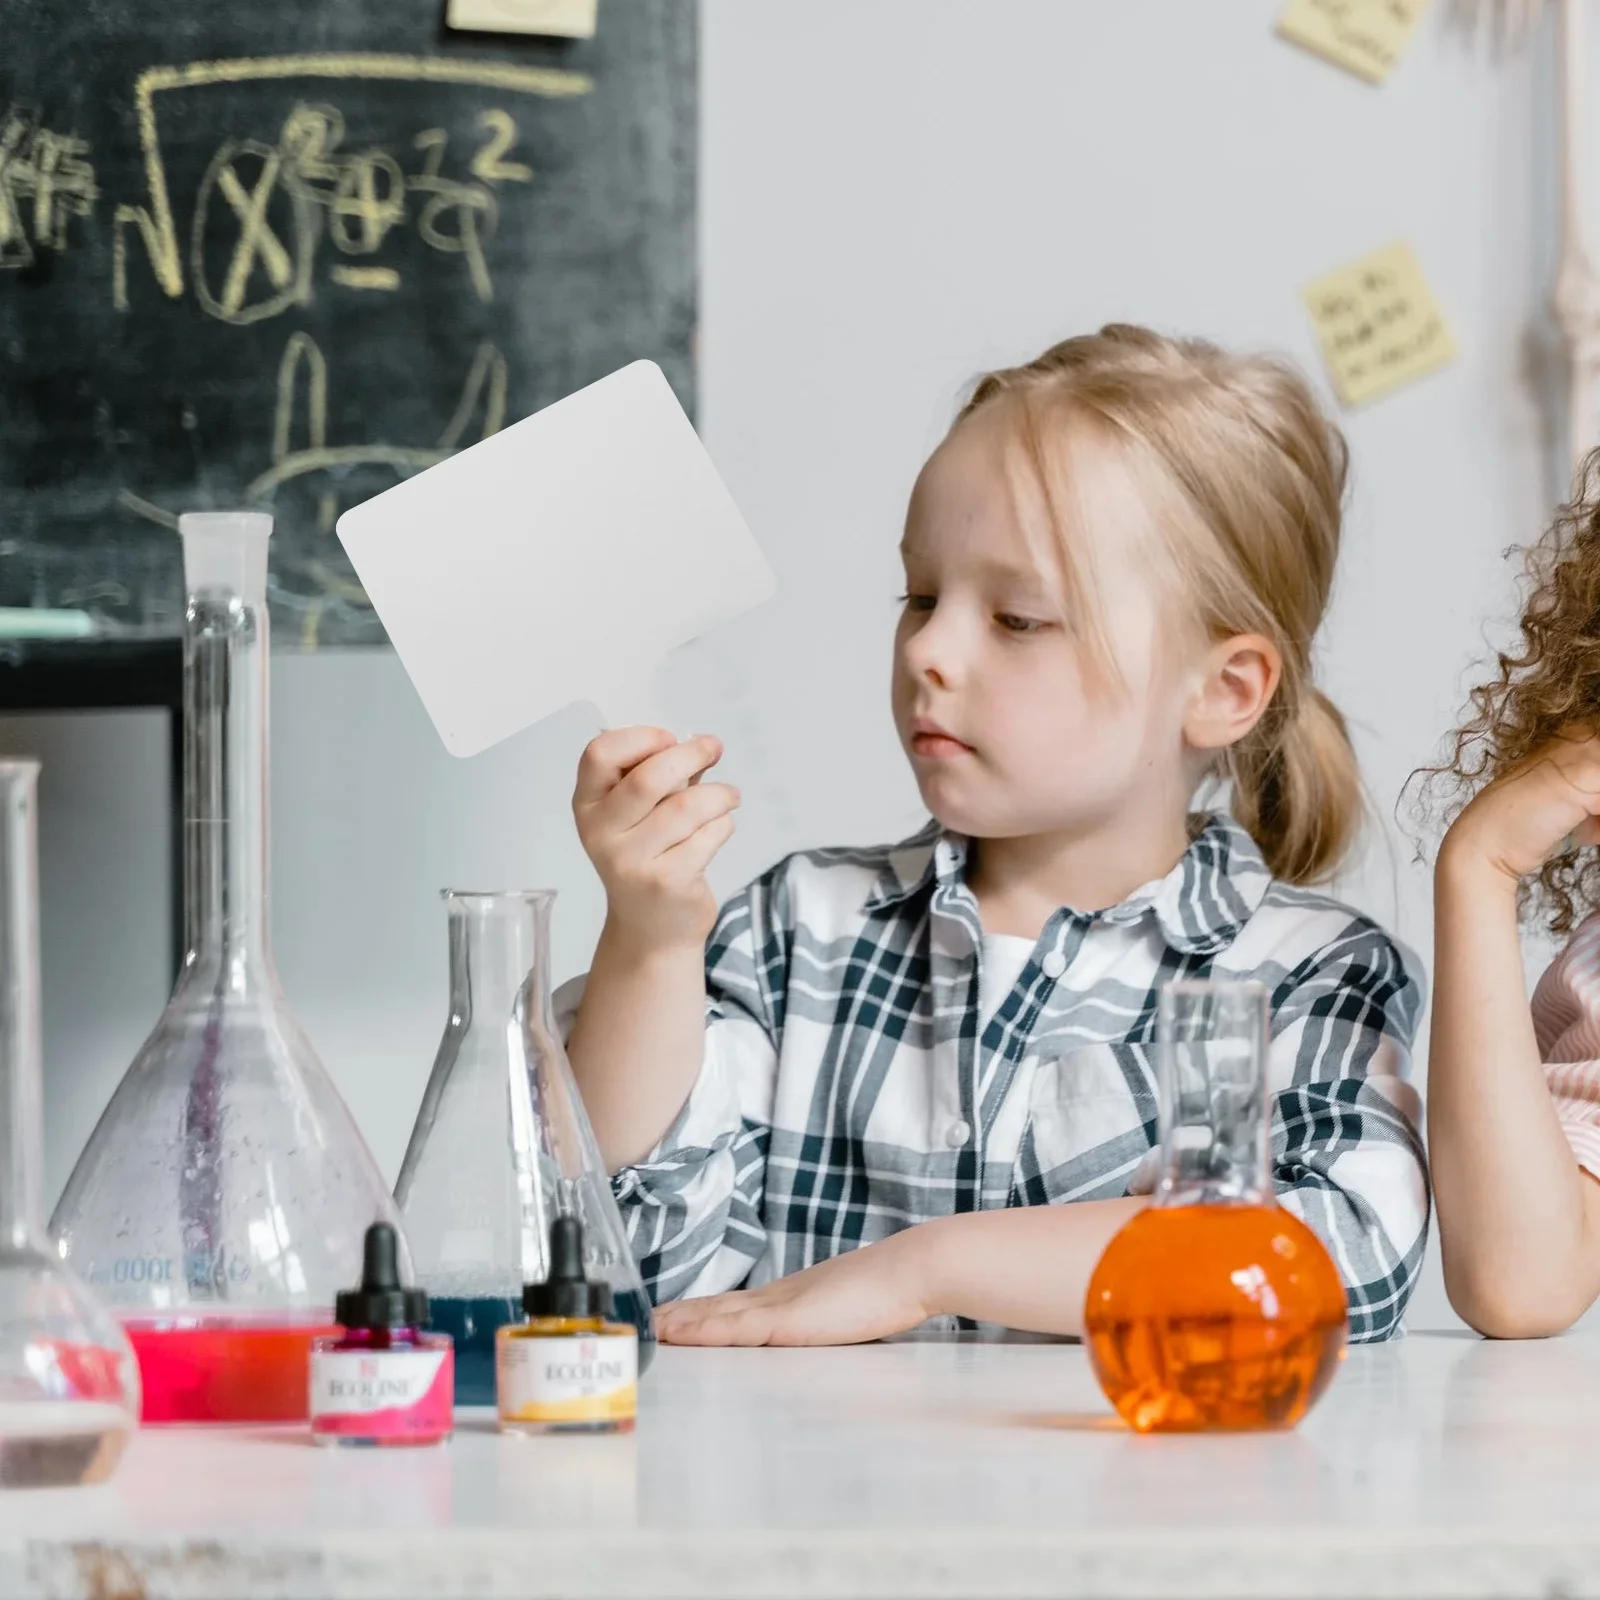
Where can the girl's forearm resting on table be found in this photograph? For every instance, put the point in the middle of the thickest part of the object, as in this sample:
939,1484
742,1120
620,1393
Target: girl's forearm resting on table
1519,1223
1025,1267
638,1041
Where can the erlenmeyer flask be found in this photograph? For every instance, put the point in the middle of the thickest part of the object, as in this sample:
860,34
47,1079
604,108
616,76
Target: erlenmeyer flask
502,1144
69,1389
1215,1308
226,1190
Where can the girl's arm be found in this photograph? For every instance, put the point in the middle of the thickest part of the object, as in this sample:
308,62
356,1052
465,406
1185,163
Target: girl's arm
1024,1267
1347,1158
651,828
1519,1222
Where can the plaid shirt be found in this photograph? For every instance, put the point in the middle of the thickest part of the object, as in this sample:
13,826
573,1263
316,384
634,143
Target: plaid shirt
848,1089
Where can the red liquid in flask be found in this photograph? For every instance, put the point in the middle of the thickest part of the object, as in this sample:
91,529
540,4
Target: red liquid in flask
1206,1317
226,1369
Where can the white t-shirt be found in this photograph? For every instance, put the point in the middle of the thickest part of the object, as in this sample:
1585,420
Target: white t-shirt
1004,957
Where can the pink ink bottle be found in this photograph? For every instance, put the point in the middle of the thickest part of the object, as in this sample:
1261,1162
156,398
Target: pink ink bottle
383,1380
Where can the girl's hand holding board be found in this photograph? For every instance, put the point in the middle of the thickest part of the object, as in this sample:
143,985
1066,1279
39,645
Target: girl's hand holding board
651,829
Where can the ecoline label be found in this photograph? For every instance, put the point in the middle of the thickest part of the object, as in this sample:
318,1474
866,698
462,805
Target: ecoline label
574,1378
381,1391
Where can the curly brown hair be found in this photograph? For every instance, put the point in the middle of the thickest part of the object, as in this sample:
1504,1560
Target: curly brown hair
1546,687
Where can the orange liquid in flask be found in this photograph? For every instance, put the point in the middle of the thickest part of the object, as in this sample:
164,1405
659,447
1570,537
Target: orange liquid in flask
1214,1317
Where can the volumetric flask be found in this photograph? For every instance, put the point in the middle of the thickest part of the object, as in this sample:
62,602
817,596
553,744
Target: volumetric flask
502,1144
226,1190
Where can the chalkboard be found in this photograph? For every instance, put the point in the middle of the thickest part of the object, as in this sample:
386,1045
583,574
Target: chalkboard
281,254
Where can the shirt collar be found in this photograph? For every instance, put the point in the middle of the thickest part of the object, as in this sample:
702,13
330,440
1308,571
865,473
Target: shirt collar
1200,905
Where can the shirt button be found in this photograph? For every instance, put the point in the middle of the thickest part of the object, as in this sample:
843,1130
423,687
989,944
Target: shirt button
1054,964
957,1134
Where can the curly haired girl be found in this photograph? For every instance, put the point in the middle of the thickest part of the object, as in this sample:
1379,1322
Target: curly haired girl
1514,1091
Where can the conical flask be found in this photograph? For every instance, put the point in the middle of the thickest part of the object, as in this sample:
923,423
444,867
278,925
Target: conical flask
1215,1308
69,1388
502,1144
224,1194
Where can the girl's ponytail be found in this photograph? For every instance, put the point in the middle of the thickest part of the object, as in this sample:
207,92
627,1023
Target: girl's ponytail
1297,788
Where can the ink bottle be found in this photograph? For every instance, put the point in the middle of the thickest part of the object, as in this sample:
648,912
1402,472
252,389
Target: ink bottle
382,1380
569,1368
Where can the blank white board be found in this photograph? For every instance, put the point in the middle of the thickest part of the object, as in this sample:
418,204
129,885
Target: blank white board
557,561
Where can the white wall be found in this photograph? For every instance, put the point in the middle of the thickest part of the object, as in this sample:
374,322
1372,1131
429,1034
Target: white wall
896,194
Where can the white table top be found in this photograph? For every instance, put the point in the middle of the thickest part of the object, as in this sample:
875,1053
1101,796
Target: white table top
1435,1466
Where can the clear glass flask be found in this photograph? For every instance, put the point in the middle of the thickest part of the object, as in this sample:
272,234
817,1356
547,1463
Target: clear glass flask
226,1189
502,1144
1215,1308
69,1388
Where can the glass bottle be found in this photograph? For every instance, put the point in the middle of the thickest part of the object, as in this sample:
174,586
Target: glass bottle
502,1144
69,1388
384,1381
1215,1307
226,1189
570,1368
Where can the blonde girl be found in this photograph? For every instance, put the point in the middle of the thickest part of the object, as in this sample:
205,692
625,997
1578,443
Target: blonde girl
915,1082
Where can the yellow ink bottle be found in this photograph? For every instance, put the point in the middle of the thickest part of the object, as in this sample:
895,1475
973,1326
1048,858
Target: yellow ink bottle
569,1368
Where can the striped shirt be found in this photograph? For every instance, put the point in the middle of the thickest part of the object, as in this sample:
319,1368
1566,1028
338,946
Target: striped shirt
851,1087
1566,1022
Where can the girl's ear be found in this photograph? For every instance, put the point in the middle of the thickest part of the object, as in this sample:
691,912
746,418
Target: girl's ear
1238,679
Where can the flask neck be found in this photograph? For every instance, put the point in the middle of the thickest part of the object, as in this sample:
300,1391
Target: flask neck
225,784
1212,1063
21,1077
499,957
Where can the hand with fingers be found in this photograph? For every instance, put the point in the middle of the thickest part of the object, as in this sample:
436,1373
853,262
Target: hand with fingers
864,1294
1522,819
651,828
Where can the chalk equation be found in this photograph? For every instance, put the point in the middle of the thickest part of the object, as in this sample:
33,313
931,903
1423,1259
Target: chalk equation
267,213
245,270
46,181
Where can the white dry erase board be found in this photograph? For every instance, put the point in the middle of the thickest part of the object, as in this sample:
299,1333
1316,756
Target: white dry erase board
557,561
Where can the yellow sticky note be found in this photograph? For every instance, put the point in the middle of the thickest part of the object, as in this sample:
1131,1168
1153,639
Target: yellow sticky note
1366,37
567,19
1378,324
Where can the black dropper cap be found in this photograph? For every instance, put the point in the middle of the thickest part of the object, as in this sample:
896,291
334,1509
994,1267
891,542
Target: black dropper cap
380,1302
566,1292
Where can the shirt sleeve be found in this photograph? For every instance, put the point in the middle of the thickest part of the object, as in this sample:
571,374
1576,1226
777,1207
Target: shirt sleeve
1566,1022
1346,1143
693,1207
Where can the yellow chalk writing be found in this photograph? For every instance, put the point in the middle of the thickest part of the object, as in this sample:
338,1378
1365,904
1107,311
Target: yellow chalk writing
490,163
366,277
360,191
300,450
263,211
44,183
